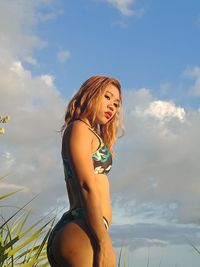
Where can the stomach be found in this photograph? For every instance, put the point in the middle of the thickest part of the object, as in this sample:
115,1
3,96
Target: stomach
103,191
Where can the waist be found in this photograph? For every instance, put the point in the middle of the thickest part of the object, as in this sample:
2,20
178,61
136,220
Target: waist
77,212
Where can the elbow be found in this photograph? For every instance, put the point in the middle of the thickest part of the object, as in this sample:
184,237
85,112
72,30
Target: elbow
88,188
85,186
89,193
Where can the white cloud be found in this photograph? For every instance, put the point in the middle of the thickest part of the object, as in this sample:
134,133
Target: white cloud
194,73
31,60
63,55
17,28
30,147
158,160
150,234
53,14
165,110
48,79
18,20
124,6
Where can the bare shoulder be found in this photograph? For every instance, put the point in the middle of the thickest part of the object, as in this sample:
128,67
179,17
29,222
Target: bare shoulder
78,132
80,129
77,146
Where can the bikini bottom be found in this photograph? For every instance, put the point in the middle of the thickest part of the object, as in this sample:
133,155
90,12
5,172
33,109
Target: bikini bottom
67,217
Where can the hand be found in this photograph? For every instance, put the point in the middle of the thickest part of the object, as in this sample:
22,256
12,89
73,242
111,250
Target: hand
105,255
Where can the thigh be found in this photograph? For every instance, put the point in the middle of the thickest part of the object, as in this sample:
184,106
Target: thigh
73,245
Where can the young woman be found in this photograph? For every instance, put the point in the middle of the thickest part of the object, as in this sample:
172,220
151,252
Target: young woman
81,238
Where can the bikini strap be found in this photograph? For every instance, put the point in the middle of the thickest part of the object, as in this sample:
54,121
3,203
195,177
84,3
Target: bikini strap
92,130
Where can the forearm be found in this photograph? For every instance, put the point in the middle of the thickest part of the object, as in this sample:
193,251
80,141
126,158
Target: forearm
93,212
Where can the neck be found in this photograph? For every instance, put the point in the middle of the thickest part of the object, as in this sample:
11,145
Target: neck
88,122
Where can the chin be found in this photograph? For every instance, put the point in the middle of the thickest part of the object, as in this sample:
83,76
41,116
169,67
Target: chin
103,120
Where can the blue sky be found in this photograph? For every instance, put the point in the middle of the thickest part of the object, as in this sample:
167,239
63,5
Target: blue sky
150,48
48,48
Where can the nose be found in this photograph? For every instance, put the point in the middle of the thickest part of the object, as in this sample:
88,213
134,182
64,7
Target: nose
111,107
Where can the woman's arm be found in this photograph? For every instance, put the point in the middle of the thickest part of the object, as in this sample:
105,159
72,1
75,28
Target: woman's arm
79,145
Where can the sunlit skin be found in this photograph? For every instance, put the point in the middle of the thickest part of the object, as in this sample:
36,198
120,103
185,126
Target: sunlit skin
110,103
74,242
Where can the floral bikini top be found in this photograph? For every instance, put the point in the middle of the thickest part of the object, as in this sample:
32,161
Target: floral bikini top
102,159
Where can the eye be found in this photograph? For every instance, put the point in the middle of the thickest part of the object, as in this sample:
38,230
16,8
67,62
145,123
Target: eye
116,105
107,96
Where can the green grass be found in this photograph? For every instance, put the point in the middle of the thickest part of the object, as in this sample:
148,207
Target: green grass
23,246
122,261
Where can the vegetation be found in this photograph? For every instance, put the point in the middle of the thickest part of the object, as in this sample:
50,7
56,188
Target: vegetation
20,246
4,119
121,262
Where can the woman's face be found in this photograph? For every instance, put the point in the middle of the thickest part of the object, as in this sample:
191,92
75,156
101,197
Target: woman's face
109,105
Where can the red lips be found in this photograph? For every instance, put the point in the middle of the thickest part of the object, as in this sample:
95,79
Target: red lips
108,114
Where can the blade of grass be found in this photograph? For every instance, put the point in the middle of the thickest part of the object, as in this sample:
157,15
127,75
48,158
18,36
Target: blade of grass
3,255
23,223
17,212
124,260
148,258
4,176
120,255
29,239
9,194
46,237
194,247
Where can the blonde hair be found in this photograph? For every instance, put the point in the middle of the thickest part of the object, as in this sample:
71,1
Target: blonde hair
85,103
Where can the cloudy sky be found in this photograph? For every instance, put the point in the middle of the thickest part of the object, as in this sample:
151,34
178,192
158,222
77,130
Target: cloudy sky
47,49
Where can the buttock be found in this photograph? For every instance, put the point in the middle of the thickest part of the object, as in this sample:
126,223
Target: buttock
67,217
